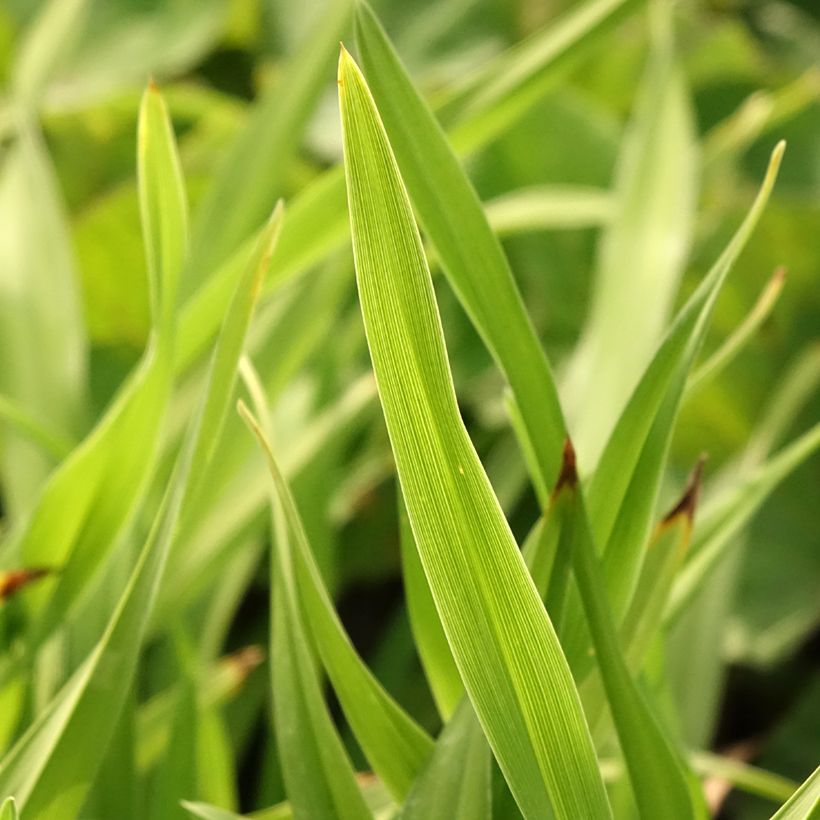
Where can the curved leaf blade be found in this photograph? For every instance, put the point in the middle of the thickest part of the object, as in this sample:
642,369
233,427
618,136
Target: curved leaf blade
502,639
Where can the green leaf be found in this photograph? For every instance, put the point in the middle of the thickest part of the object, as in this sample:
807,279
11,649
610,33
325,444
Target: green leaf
90,500
656,771
42,338
741,335
395,745
452,216
48,43
498,93
316,222
734,513
8,811
623,489
431,642
546,207
502,640
318,775
804,804
57,757
455,785
664,557
250,179
163,207
642,250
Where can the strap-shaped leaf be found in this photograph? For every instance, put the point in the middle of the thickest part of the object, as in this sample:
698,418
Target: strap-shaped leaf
736,513
58,756
656,770
249,179
624,487
431,642
395,745
642,250
502,640
471,255
456,784
89,500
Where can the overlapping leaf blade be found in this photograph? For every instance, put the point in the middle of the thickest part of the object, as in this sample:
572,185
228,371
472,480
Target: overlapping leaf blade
393,742
58,756
452,216
502,640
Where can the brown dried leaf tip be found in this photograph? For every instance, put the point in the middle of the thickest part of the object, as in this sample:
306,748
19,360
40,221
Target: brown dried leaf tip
689,499
568,477
14,580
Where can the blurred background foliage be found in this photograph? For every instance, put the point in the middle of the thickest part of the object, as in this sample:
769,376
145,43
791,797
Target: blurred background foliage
748,652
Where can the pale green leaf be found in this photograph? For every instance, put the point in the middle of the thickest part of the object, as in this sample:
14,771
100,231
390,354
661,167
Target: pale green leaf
502,640
8,811
250,178
431,642
56,759
395,745
453,218
42,339
641,254
318,775
455,785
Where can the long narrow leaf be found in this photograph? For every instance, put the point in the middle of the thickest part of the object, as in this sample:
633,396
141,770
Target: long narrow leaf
395,745
452,216
60,753
502,639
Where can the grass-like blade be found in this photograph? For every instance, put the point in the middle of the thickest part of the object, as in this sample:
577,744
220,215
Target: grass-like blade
61,751
43,345
456,783
736,512
319,778
90,499
642,250
8,811
316,223
431,642
804,804
623,489
250,179
656,771
395,745
735,343
502,640
500,92
545,207
471,255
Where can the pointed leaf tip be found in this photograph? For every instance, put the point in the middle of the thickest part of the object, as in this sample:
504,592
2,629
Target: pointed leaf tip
688,501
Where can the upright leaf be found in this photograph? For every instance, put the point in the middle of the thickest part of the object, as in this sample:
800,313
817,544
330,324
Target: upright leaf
642,250
502,640
58,756
395,745
249,179
452,216
434,652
